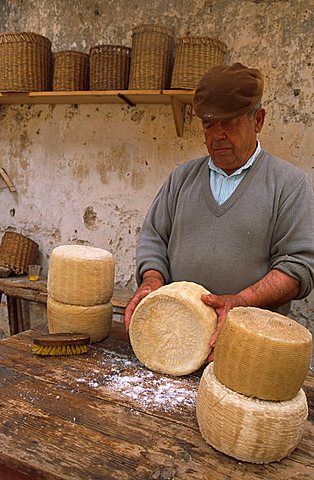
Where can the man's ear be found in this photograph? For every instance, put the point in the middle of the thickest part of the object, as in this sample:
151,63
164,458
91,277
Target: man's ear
259,118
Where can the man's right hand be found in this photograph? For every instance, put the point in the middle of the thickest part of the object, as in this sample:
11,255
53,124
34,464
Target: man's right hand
152,280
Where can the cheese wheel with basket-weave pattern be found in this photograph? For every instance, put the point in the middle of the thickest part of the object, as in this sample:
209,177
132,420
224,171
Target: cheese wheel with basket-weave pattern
94,321
245,428
262,354
81,275
170,329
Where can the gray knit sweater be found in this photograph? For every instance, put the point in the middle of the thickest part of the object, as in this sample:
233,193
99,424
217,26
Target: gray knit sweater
268,222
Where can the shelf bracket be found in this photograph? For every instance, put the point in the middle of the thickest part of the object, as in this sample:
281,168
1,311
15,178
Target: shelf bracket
7,180
126,100
178,110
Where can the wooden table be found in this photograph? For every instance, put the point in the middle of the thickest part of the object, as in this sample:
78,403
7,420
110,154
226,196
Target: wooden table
20,287
103,416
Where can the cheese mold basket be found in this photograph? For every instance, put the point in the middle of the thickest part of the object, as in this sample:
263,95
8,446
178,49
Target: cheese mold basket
109,67
17,252
25,59
170,329
262,354
248,429
152,57
194,57
71,71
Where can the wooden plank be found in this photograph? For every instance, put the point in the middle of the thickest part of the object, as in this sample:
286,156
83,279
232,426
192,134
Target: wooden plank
107,361
31,295
125,435
94,97
21,282
112,374
53,431
22,287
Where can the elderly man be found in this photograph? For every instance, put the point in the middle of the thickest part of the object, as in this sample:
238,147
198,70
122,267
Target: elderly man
238,221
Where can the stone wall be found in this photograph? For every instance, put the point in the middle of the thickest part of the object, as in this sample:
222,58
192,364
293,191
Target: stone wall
87,173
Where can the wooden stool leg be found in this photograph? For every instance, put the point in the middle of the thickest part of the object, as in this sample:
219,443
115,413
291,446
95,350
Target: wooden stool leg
13,321
19,315
15,315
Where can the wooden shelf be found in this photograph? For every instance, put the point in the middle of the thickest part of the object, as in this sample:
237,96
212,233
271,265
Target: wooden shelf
178,99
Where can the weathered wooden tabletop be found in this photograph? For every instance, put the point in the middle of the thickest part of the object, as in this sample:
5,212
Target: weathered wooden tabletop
103,416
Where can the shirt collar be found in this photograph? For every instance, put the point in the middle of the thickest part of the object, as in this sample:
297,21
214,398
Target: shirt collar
247,165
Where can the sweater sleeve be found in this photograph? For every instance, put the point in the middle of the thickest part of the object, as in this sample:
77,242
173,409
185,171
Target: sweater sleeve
292,249
151,251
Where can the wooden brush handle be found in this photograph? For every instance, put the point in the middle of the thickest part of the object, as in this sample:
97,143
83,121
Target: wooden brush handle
58,339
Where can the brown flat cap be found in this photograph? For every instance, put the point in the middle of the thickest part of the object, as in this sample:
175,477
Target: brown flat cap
227,91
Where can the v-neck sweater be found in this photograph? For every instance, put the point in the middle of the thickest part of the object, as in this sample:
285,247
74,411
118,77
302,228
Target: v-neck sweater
223,185
266,223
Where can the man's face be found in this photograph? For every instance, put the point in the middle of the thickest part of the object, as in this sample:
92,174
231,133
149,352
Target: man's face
232,142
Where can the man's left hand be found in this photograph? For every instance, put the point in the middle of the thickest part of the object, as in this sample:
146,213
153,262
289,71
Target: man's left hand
222,304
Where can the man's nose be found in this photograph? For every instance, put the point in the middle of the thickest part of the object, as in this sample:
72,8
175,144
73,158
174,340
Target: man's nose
218,131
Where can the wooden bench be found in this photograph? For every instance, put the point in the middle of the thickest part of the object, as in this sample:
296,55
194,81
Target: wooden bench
21,288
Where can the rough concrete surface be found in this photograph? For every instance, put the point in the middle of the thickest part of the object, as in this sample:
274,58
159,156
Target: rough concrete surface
87,173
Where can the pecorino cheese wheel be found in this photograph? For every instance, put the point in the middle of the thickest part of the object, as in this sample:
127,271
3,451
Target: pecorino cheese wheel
170,329
94,321
262,354
248,429
81,275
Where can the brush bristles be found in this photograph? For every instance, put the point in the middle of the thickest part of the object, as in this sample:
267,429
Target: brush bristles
59,350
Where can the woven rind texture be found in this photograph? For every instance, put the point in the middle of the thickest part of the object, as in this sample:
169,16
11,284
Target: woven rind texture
248,429
81,275
262,354
94,321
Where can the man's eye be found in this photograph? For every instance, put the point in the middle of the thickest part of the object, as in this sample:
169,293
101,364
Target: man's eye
230,123
207,125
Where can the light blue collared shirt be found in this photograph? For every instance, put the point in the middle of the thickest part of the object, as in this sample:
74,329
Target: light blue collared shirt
223,185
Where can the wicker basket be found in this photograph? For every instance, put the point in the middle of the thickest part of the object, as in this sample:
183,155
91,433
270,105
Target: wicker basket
109,67
70,71
194,56
152,57
17,252
25,60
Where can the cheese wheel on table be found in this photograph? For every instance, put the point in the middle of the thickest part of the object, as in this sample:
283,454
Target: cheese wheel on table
170,329
262,354
81,275
94,321
245,428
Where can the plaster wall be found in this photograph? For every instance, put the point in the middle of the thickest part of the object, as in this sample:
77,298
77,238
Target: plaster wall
87,173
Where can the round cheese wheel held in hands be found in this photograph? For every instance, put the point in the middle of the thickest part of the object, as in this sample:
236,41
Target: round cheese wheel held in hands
81,275
262,354
245,428
170,329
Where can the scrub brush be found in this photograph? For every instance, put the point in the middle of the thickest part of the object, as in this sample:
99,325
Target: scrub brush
61,344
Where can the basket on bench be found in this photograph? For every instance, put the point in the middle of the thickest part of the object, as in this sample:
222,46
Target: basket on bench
17,252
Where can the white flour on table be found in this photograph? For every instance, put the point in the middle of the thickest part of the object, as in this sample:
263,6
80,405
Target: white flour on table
132,381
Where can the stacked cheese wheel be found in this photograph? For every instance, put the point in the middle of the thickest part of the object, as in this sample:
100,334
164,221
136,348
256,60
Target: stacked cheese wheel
80,287
170,329
250,402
